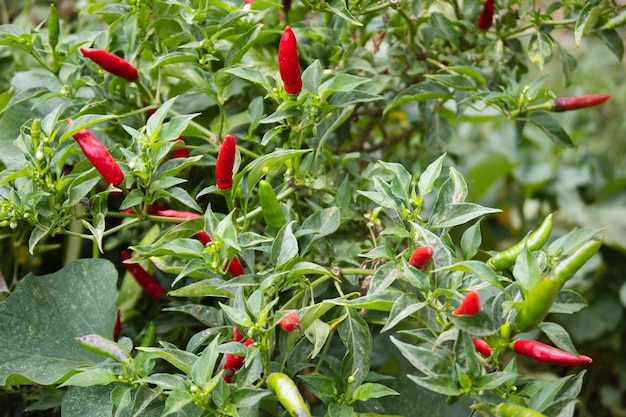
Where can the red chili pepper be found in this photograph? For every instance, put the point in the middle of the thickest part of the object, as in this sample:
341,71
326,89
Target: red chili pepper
420,258
237,335
470,305
482,347
290,322
117,327
579,102
225,163
99,156
180,150
288,62
111,63
548,354
143,278
233,363
234,269
485,20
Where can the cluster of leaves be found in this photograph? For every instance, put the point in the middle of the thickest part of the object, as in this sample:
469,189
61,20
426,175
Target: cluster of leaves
380,78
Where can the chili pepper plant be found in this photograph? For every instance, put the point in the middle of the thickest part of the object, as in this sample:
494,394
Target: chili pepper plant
314,249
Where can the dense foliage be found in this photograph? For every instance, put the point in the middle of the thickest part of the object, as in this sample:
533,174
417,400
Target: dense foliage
326,207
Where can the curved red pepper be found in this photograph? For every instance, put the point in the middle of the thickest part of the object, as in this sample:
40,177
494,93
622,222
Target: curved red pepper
485,19
421,256
143,278
288,62
234,269
482,347
225,163
470,305
548,354
99,156
579,102
111,63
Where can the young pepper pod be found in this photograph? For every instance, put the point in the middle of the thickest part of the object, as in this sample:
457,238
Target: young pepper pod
111,63
103,346
288,394
225,163
143,278
566,269
232,362
561,104
99,156
534,308
535,241
288,62
548,354
272,212
469,306
54,28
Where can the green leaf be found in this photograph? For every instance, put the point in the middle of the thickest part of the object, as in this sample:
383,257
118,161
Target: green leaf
371,390
540,49
456,214
237,316
318,225
284,247
340,82
202,370
526,271
424,360
551,127
586,19
559,336
241,45
88,401
89,377
479,269
173,58
179,358
427,90
442,384
182,196
568,302
493,380
404,306
270,164
471,240
356,337
613,40
201,289
478,325
339,8
427,179
41,349
312,76
317,333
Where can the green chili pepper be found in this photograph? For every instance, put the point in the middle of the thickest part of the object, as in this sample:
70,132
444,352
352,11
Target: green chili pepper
534,308
516,410
288,394
53,27
149,336
535,241
272,213
103,346
566,269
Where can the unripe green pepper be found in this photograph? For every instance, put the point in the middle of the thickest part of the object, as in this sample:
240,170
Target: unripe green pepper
516,410
272,213
566,269
103,346
53,27
535,241
534,308
288,394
